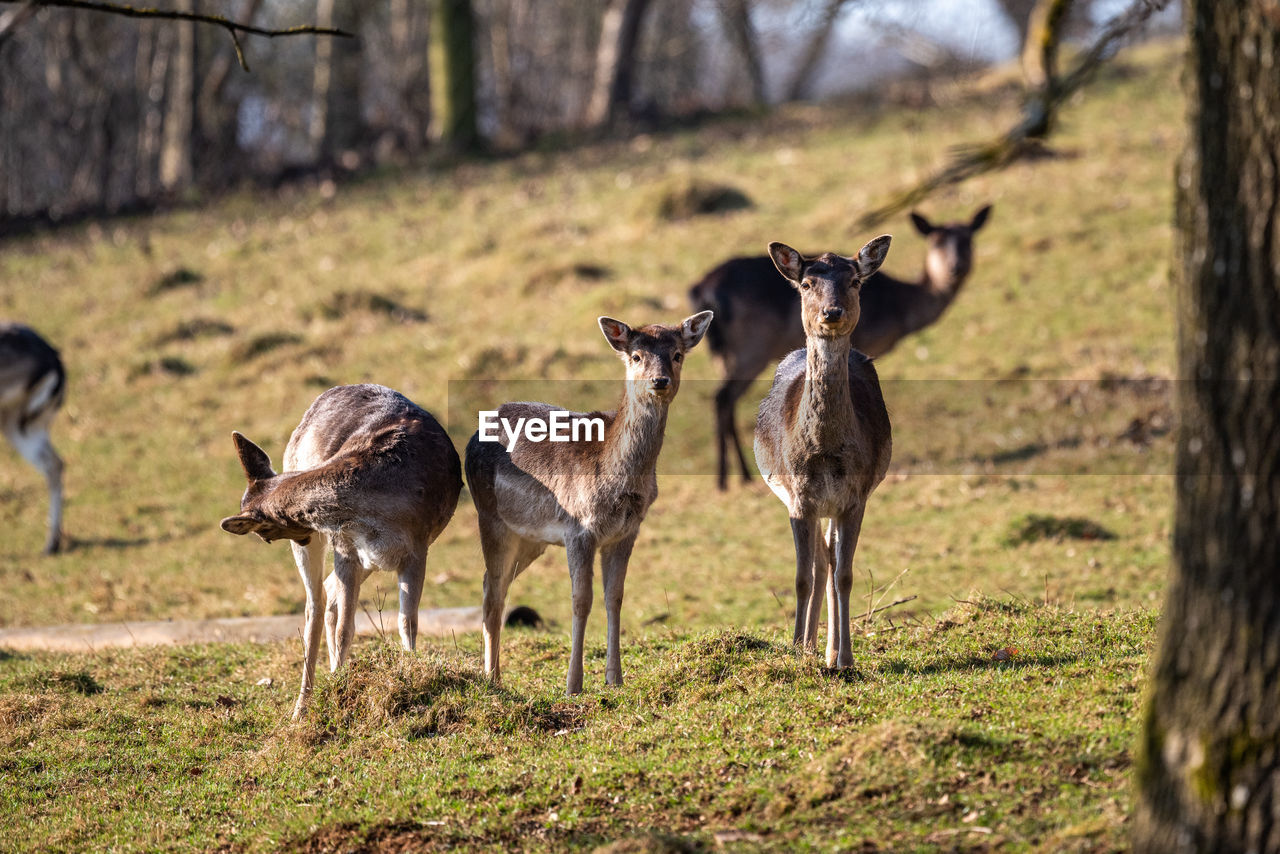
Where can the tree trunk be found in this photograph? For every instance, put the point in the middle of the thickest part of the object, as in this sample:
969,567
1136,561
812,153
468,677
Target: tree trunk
413,93
615,62
1020,13
453,75
1209,769
1040,48
742,35
321,81
814,49
175,152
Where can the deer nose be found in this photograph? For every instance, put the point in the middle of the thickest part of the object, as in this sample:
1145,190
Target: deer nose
832,314
660,383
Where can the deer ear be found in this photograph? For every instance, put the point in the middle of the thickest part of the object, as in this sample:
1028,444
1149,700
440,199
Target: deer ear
240,525
254,460
788,261
617,333
871,256
980,218
922,225
693,328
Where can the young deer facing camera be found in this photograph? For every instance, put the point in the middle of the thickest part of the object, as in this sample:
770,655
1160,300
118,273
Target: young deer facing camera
32,385
823,438
374,476
758,315
585,495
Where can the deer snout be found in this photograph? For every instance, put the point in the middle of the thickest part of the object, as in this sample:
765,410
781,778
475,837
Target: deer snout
660,383
832,314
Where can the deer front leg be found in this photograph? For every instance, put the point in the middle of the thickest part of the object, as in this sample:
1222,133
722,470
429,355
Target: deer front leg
582,555
35,448
412,573
51,464
821,576
804,532
839,644
613,566
310,560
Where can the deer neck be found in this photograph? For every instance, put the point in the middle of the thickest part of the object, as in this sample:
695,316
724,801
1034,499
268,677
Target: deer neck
926,300
632,446
825,410
295,496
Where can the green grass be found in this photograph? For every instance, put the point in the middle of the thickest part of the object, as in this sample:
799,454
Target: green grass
1003,724
1040,394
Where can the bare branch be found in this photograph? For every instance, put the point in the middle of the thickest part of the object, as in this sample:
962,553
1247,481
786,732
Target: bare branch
1024,138
233,28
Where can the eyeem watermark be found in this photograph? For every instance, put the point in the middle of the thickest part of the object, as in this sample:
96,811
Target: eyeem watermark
559,426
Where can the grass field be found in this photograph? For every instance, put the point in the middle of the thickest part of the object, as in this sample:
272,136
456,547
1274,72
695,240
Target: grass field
1028,509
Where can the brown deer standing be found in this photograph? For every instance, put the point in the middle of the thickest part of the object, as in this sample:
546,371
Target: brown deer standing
823,439
758,316
584,495
377,478
32,385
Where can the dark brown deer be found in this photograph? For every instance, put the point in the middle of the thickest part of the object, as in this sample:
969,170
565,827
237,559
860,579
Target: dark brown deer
823,439
373,476
32,386
588,495
758,316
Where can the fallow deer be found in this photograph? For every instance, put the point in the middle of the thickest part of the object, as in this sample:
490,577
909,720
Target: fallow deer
758,315
375,477
823,439
587,496
33,383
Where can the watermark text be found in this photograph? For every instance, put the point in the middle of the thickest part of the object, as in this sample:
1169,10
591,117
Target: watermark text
559,426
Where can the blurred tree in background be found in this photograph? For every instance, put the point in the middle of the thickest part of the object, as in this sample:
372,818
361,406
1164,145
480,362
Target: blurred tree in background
101,113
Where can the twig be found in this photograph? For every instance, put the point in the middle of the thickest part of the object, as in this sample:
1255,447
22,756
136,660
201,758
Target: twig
1024,138
890,605
233,28
378,624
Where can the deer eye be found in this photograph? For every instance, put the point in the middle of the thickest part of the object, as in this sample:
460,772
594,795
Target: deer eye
635,357
677,358
804,285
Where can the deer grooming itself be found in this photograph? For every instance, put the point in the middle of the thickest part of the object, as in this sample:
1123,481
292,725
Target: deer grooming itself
32,385
758,315
376,477
823,438
588,496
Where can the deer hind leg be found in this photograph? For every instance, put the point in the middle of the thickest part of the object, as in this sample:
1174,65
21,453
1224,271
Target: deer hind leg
34,446
499,545
412,573
345,581
582,557
613,566
839,643
310,560
727,398
805,534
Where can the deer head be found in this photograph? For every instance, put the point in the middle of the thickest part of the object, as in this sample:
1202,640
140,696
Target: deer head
950,255
654,354
263,481
829,284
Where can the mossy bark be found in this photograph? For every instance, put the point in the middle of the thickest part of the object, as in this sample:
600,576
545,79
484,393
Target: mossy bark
452,75
1208,773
